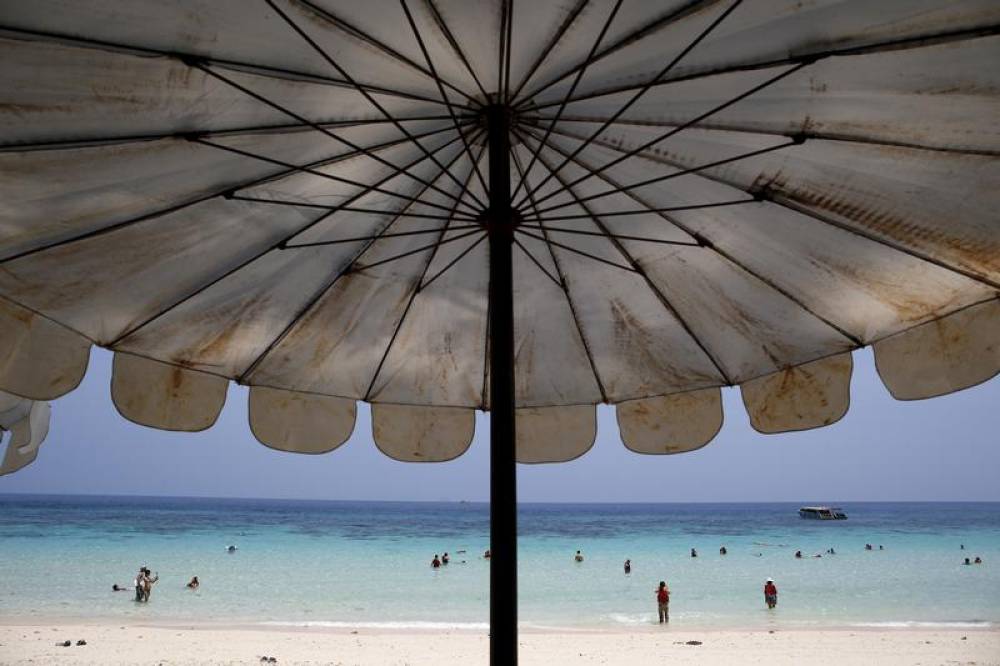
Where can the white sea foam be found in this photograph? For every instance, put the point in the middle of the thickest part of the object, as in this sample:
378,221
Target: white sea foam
914,624
414,624
632,619
551,627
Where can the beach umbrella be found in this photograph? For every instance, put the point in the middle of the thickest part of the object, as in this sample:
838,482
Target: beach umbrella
531,208
27,421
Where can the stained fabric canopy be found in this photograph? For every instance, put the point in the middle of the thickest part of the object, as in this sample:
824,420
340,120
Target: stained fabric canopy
291,194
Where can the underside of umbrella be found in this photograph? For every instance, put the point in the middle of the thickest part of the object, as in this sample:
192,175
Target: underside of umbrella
440,206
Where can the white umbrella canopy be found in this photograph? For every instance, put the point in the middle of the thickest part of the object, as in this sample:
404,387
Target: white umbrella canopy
677,196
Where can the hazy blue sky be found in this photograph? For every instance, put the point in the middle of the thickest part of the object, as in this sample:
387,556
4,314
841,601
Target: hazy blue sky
942,449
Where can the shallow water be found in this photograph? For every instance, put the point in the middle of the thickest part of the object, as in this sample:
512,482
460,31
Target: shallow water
343,564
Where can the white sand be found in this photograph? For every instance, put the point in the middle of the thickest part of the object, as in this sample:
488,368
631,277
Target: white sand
113,644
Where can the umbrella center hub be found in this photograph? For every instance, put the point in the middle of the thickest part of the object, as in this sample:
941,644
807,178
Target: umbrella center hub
503,218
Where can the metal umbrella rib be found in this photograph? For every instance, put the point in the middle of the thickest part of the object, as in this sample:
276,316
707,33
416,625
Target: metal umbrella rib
351,29
663,137
633,36
576,81
314,172
347,209
636,267
222,192
659,179
319,294
187,56
639,211
415,292
765,194
97,142
318,128
564,26
805,133
453,43
340,70
280,245
944,37
639,93
444,95
728,256
561,281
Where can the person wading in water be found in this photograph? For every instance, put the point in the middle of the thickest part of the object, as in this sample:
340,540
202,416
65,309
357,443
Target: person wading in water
663,602
770,593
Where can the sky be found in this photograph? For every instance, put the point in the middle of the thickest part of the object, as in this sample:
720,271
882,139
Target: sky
944,449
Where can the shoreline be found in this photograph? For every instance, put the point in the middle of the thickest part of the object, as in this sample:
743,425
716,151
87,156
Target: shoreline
117,644
417,627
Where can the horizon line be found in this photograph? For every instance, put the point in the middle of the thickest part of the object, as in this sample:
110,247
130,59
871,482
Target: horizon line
486,502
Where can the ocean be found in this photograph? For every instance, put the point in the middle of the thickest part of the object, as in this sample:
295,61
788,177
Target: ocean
367,564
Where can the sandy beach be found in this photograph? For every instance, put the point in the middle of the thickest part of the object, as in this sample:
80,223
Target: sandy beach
114,644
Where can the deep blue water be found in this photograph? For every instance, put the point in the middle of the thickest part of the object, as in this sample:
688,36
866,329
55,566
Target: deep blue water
367,563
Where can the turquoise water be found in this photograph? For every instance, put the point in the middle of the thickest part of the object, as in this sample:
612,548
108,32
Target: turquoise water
367,564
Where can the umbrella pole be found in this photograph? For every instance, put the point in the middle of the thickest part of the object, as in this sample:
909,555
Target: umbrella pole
503,472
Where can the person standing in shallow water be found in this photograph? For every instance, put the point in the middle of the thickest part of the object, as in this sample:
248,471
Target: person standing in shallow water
578,557
147,583
663,602
628,567
770,593
138,582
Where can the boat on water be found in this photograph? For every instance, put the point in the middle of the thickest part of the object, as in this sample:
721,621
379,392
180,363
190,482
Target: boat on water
822,513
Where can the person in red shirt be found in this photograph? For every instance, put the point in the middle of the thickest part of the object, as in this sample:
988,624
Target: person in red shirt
770,593
663,602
